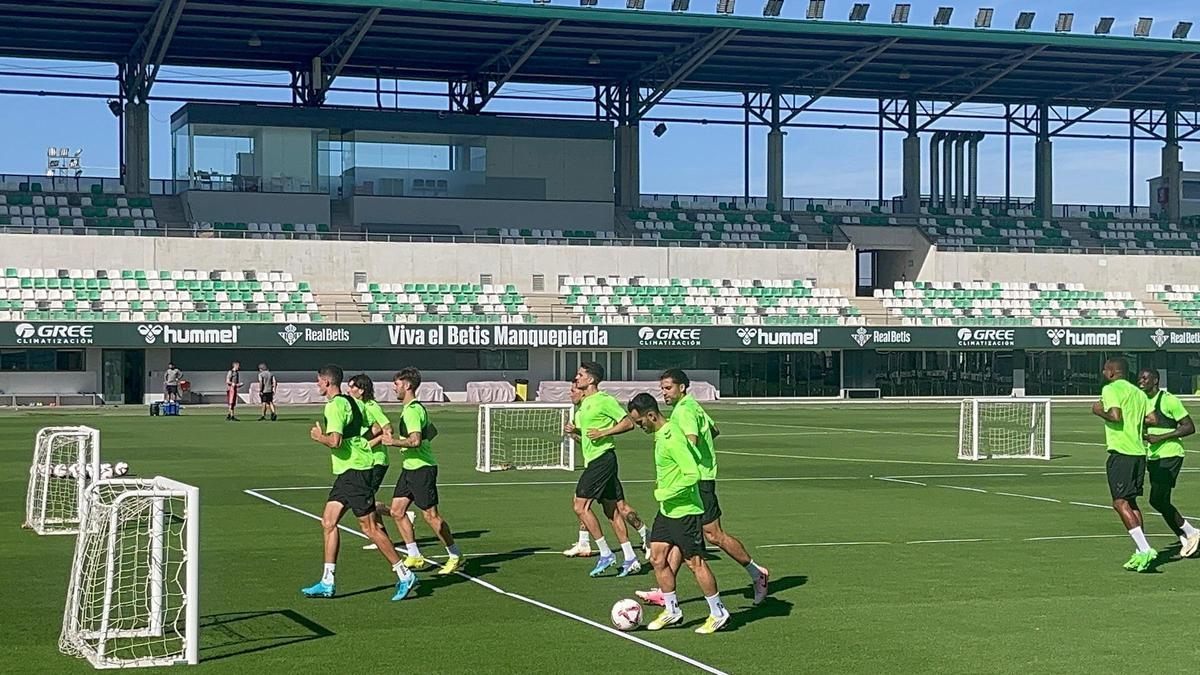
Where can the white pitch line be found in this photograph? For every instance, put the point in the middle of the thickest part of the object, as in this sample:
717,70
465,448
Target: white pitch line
963,488
1093,506
948,541
962,475
1040,499
898,480
829,543
550,608
865,460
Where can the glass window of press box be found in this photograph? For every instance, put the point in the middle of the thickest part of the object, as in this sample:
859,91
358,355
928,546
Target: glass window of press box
246,158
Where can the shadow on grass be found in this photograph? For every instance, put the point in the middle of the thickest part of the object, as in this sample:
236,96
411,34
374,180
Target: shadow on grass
772,605
239,633
476,566
1057,456
1167,556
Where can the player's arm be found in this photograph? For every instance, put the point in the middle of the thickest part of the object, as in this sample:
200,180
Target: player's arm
621,427
689,423
1183,428
330,440
1106,412
376,435
412,420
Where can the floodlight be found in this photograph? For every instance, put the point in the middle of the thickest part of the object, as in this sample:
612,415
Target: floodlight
680,5
52,152
254,41
725,6
816,9
900,13
594,59
1104,25
635,4
1064,22
659,130
587,3
859,11
1025,20
1142,29
772,8
942,18
1181,30
904,74
984,18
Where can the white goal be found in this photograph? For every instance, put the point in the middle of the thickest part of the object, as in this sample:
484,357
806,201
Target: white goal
65,462
524,436
134,590
1002,428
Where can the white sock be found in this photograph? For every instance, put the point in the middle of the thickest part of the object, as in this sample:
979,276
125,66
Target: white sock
627,549
413,550
715,607
644,533
327,574
603,546
1183,540
753,570
1139,538
583,538
452,551
671,602
401,571
1188,530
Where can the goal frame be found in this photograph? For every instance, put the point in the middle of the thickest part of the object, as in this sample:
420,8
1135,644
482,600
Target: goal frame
90,644
41,470
483,438
971,406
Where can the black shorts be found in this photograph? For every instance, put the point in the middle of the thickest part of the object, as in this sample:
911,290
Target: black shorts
599,480
712,506
1164,473
267,397
171,389
353,487
686,533
418,486
1126,475
378,473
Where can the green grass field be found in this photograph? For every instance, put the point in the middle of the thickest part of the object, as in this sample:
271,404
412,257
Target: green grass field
867,573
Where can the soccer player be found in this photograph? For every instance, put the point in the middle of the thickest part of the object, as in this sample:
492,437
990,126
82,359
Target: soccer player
171,378
1123,408
583,548
345,435
599,418
701,431
418,476
677,525
233,382
266,384
1167,423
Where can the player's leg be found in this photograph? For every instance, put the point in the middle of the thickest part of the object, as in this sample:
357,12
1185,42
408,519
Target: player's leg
425,495
630,563
334,508
1164,474
398,508
731,545
655,596
690,540
1125,478
632,519
378,474
659,554
360,497
582,547
590,487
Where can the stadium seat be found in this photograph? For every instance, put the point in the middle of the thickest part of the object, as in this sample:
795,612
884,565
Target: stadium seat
924,303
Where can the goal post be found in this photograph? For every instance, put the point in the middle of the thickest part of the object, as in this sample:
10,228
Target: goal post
133,595
66,460
524,436
1004,428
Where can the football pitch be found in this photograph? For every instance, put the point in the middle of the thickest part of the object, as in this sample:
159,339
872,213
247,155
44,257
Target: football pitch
885,552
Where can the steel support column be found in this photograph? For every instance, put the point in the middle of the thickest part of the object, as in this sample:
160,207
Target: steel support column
775,155
911,179
1043,169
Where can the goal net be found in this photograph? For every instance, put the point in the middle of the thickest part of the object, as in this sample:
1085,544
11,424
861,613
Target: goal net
65,462
132,598
524,436
999,428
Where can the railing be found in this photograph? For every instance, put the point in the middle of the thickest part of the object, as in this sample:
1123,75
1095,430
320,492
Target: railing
110,184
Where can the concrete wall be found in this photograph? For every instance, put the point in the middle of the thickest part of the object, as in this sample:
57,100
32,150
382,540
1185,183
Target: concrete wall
1101,273
87,382
572,168
330,266
256,207
469,214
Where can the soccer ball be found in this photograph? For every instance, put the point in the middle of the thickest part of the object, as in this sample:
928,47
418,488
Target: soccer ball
120,469
626,614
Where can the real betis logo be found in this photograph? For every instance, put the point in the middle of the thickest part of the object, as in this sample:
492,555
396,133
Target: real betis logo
861,336
290,334
1160,338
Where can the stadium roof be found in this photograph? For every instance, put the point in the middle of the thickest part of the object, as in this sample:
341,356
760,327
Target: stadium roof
444,40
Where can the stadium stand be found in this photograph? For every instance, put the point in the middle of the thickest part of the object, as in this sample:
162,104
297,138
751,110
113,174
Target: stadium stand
1184,300
442,303
726,225
924,303
150,295
612,299
264,230
24,207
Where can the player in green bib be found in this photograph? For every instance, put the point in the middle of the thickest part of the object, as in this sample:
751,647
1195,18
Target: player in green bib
701,431
583,547
599,418
418,475
1123,408
677,533
362,388
1166,423
345,434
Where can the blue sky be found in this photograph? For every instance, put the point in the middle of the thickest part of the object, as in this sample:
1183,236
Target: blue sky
688,159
